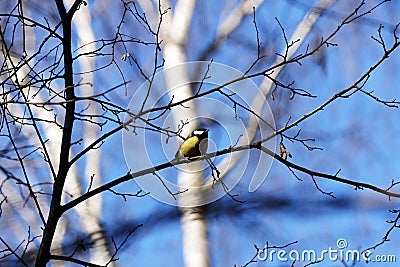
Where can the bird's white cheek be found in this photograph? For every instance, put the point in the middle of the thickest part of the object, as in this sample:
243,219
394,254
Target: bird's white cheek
198,132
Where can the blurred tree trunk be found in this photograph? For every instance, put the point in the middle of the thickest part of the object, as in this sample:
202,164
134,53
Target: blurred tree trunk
89,212
175,27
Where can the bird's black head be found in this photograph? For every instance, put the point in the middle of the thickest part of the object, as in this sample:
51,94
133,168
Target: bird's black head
201,133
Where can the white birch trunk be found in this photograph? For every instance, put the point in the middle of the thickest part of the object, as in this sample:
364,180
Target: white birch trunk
301,32
47,131
89,212
193,223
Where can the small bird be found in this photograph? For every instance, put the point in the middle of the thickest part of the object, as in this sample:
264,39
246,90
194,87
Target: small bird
195,144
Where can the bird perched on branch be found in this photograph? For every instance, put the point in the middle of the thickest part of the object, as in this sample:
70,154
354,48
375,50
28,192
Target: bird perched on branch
194,145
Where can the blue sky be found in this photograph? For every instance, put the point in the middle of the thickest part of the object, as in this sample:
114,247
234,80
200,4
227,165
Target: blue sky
357,135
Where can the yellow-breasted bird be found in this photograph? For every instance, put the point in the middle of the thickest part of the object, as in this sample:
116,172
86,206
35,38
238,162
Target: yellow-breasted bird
195,144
